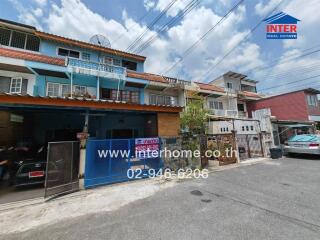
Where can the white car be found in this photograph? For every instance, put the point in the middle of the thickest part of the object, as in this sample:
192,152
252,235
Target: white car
305,143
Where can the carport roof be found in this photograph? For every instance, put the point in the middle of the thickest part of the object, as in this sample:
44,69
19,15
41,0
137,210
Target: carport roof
82,103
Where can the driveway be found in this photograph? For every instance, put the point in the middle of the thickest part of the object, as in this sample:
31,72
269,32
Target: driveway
269,200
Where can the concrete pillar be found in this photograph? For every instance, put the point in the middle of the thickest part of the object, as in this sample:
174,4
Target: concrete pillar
82,163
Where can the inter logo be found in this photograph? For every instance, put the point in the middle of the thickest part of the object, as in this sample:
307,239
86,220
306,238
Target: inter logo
281,26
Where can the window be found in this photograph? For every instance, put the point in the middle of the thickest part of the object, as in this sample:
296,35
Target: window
16,85
33,43
312,100
116,62
79,90
135,97
153,99
162,100
5,36
19,40
129,65
86,56
241,107
53,89
65,90
247,128
68,53
106,60
252,128
243,128
229,85
216,105
123,95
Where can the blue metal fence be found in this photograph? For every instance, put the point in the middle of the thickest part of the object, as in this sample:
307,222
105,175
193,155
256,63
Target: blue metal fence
102,168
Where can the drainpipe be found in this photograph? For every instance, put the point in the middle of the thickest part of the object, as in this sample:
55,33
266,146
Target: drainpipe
98,87
71,84
83,142
118,88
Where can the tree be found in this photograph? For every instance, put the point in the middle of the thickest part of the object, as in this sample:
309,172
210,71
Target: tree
194,116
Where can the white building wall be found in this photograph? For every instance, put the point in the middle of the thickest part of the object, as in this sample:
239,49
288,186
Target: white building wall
31,78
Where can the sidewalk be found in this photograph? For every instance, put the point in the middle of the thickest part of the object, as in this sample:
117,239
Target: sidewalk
37,212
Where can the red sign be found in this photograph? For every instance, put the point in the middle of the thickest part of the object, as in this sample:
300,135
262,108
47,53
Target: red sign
145,144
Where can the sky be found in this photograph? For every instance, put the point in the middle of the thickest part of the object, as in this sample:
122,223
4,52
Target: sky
278,65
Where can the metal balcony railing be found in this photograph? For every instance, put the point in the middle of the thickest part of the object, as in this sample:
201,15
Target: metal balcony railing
95,68
224,113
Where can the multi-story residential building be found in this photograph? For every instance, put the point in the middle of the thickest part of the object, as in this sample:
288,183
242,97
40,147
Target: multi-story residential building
42,74
238,92
301,105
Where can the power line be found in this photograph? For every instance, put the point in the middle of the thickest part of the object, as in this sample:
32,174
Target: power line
193,4
289,83
135,23
276,61
290,59
163,12
246,37
298,87
188,51
288,72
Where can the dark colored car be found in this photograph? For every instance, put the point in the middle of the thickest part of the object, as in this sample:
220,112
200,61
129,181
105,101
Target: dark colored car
31,173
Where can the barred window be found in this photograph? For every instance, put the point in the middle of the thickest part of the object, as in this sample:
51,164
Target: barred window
33,43
18,40
125,96
5,36
135,97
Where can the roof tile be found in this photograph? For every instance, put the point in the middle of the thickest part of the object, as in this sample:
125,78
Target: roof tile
5,52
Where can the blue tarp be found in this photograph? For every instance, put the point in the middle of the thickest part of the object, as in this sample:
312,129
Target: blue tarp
305,138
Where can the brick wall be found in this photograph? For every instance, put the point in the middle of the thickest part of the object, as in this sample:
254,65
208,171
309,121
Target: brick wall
290,106
168,124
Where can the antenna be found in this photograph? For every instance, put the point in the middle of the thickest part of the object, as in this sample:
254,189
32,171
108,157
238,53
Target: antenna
100,40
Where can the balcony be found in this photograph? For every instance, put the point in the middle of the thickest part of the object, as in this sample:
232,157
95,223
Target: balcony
95,69
224,113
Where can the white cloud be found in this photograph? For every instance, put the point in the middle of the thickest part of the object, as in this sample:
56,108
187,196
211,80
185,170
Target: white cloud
38,12
263,9
148,4
64,20
41,3
307,38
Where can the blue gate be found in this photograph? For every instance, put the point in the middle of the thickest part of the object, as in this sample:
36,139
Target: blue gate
103,166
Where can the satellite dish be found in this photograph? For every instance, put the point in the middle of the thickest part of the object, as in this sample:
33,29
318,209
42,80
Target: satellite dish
100,40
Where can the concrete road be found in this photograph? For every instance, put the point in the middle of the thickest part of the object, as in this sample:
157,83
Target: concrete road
270,200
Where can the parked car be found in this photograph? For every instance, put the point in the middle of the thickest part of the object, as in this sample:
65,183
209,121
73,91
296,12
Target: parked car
31,173
305,143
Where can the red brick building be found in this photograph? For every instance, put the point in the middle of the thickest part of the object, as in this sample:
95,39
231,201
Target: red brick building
302,105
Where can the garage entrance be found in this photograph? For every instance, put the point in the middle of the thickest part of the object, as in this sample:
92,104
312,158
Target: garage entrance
24,137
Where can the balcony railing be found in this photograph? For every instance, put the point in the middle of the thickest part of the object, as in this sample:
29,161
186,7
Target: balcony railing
224,113
95,68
